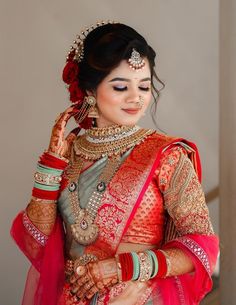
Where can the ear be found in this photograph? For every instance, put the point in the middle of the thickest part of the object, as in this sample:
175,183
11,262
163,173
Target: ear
91,92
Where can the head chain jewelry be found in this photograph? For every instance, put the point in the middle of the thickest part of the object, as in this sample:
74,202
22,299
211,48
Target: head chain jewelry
77,48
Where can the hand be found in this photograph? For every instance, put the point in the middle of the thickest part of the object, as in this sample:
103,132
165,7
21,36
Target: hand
93,277
58,143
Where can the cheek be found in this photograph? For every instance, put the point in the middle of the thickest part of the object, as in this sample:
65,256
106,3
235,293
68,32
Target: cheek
148,98
107,98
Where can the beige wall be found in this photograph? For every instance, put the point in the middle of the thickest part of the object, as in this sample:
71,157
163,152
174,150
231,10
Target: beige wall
35,36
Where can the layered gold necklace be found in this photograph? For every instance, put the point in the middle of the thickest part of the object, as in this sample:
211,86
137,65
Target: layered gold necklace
110,142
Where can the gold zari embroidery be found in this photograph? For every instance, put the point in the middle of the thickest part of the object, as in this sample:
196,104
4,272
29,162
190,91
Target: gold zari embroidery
185,201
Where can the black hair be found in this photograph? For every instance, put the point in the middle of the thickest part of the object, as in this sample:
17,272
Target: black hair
105,47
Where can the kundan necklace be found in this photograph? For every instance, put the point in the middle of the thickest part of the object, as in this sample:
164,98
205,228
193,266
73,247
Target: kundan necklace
110,142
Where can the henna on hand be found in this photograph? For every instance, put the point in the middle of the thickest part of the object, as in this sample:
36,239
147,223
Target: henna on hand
94,277
58,143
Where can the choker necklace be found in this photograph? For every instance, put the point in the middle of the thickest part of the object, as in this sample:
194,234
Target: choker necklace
109,141
84,230
111,134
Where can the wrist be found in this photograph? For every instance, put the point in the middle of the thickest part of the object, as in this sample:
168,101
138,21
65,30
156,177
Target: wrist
142,266
56,155
108,268
48,177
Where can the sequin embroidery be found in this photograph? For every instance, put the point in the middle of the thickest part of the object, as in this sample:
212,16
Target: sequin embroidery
34,232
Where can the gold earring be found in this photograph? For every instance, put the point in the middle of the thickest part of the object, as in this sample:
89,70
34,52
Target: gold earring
93,111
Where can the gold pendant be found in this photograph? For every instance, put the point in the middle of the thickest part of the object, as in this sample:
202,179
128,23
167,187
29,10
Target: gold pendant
84,231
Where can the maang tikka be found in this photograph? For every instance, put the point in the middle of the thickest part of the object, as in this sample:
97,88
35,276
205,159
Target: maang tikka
136,62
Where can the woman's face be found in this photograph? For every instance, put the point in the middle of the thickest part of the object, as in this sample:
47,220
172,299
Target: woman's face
118,95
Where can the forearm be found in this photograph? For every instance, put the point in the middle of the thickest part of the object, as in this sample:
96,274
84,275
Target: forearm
178,262
42,213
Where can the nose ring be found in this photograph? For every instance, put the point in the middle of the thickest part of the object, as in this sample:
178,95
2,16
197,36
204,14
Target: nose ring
140,101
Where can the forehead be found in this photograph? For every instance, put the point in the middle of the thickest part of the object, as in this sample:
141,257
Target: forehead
125,71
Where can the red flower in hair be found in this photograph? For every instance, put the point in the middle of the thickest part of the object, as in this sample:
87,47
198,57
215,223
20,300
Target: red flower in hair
76,94
86,123
70,72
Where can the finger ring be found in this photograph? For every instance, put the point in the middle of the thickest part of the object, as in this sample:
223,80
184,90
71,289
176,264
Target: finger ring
91,292
88,285
85,279
80,270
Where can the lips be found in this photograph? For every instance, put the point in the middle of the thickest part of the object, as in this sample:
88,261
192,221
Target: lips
131,110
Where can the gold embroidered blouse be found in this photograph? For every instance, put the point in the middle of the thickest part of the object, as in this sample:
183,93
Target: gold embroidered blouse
176,190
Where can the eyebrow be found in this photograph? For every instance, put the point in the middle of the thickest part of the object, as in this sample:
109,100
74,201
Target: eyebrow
128,80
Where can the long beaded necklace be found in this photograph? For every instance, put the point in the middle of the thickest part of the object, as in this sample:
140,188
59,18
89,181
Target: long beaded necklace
111,142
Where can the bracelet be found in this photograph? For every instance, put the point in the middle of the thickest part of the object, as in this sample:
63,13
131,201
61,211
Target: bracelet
46,187
53,162
49,170
45,195
49,176
126,263
136,266
162,270
145,266
142,266
47,179
118,268
168,263
56,156
155,263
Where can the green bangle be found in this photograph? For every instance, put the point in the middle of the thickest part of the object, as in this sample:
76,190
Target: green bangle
46,187
49,170
155,263
136,266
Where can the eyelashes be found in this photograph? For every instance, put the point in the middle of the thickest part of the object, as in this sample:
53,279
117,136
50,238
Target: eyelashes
126,88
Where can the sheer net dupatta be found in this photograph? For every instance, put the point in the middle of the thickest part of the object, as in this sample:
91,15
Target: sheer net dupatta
46,275
190,288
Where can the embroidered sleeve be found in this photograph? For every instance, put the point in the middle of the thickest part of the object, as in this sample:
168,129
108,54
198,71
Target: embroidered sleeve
182,192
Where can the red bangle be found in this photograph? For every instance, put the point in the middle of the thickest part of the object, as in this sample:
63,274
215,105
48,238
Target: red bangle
162,264
126,262
42,194
130,267
51,161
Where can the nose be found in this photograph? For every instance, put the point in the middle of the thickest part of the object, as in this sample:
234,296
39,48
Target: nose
133,96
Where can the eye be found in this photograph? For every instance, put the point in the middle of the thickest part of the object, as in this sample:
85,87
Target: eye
120,88
144,88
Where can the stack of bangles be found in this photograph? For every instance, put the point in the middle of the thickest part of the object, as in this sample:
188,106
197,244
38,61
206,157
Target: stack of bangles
142,266
48,176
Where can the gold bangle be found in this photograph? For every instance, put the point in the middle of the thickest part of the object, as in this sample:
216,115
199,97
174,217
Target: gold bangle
168,263
145,267
47,179
118,265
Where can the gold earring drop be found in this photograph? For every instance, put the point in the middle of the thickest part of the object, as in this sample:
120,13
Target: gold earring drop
93,111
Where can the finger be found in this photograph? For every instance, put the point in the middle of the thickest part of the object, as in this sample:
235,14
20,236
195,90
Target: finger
81,281
73,278
66,115
91,292
84,289
72,135
74,289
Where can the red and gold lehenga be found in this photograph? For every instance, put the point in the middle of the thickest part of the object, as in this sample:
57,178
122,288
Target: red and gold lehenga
154,199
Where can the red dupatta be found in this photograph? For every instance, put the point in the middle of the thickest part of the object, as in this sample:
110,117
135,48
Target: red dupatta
119,205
